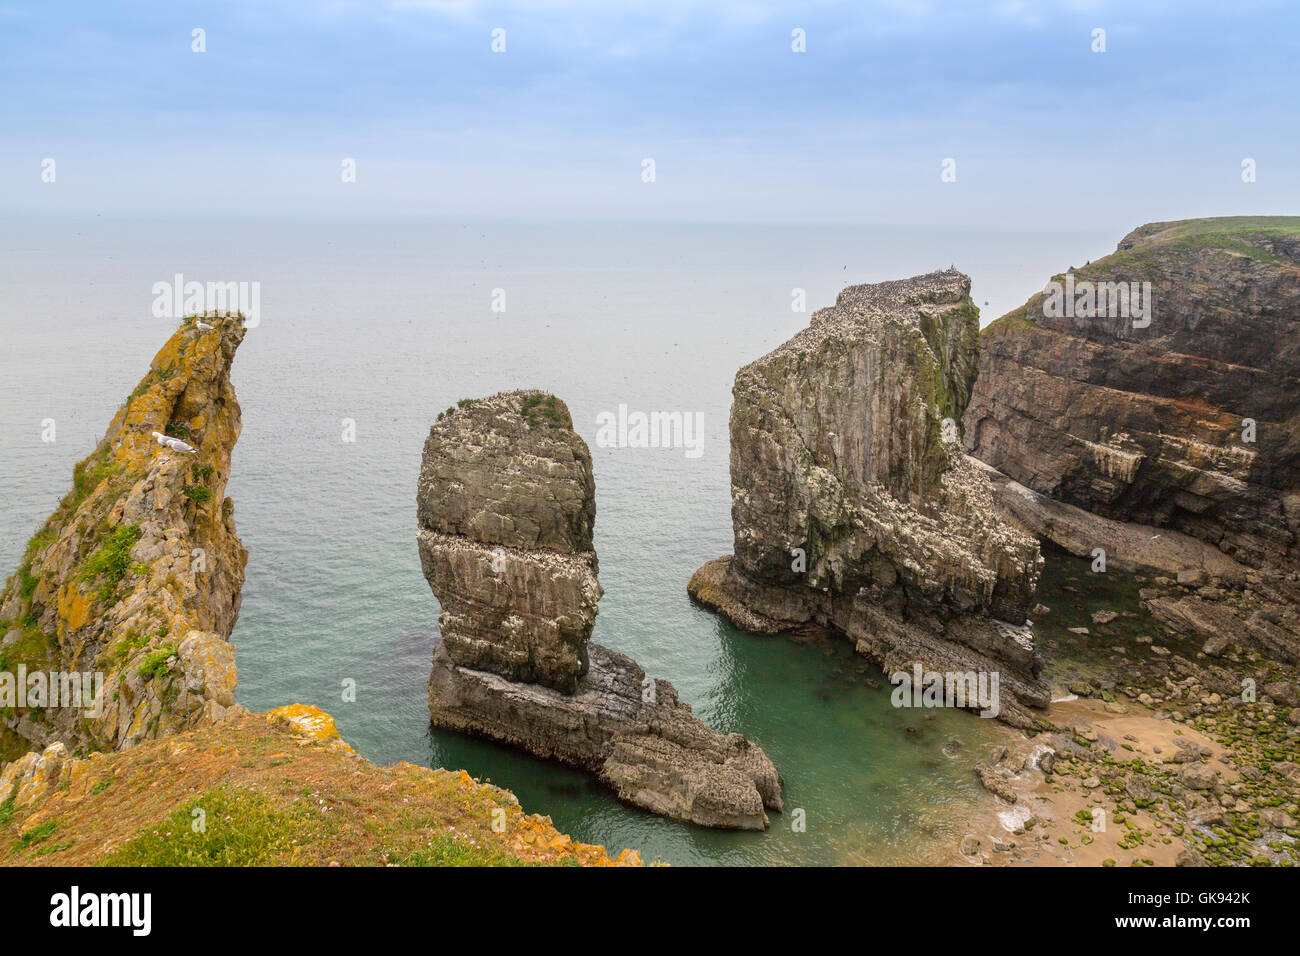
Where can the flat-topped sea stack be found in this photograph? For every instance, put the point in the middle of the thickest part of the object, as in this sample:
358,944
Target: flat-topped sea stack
853,506
506,507
137,575
1148,403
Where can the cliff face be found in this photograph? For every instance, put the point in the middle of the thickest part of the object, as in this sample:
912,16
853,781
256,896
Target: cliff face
137,574
1147,422
506,507
852,505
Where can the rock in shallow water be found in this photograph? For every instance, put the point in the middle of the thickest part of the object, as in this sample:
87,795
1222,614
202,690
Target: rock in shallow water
506,507
654,753
853,506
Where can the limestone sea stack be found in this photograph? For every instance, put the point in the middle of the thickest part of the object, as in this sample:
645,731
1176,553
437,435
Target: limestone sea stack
1167,435
506,508
853,507
137,574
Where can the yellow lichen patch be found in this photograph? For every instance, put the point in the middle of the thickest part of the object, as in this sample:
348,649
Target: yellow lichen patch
74,608
309,723
332,806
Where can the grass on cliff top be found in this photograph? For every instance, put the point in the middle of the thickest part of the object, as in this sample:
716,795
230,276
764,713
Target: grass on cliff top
1177,239
538,408
266,799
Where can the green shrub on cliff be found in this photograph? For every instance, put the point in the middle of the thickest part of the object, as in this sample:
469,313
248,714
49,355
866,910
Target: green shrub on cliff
113,559
155,662
199,494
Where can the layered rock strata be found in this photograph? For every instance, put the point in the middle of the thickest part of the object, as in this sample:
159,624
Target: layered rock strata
1169,435
853,507
135,579
506,509
1186,416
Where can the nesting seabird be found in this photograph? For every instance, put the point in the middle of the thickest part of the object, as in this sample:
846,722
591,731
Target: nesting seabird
175,444
203,326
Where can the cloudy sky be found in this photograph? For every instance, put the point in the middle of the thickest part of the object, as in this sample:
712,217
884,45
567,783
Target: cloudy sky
1043,130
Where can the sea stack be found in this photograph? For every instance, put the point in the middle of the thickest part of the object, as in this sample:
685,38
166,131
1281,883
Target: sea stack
853,507
506,508
137,574
1148,404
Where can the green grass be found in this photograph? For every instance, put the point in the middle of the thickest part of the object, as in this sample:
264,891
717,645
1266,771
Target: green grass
113,559
38,833
240,828
445,851
547,406
32,648
155,662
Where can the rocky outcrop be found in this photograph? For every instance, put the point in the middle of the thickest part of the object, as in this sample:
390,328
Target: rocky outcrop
1169,437
248,773
1186,416
136,577
853,507
506,508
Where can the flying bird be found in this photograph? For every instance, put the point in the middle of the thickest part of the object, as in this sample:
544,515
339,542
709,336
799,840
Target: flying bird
175,444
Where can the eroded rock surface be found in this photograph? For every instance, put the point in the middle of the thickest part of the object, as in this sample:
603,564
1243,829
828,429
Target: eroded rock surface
137,575
1171,440
1149,423
506,508
853,507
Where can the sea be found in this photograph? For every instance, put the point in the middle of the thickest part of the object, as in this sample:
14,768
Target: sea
366,330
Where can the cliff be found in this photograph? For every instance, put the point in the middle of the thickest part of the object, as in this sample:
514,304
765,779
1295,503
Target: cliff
274,789
137,577
506,508
1168,436
853,507
1148,418
137,574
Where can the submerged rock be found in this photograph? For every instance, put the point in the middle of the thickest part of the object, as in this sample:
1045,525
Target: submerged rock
853,506
137,575
506,508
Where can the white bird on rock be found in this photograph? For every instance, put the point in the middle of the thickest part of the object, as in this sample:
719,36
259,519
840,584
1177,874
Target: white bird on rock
203,326
175,444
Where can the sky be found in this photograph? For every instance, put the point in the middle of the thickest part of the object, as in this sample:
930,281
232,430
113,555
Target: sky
1042,129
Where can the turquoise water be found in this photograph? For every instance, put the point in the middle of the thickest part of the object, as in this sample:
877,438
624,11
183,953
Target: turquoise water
386,324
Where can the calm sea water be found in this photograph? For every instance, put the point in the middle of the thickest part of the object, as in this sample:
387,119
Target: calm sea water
386,323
